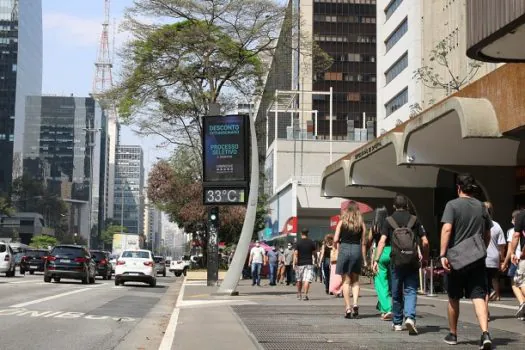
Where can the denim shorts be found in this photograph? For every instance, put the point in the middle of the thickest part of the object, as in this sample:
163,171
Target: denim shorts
349,259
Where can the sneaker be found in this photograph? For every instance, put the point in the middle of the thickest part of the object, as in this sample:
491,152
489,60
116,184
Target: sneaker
521,311
299,297
397,327
451,339
410,324
355,311
485,343
306,298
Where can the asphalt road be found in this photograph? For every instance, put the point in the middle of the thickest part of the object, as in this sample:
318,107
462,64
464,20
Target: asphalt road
70,315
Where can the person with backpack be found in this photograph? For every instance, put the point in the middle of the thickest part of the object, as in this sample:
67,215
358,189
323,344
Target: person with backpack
402,231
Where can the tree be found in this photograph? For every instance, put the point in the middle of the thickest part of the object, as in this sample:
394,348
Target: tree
43,241
107,234
451,81
5,206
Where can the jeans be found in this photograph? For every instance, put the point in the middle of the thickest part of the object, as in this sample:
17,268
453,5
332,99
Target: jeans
256,273
404,293
325,270
273,274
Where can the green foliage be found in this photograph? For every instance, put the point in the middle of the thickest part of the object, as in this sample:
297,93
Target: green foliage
5,206
43,241
107,234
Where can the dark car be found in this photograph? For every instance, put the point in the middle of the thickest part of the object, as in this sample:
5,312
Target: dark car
33,260
70,262
160,265
101,259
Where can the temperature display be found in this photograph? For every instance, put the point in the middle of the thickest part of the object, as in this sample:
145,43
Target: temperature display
224,196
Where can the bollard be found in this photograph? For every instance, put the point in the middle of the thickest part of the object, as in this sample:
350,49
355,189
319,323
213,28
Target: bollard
431,290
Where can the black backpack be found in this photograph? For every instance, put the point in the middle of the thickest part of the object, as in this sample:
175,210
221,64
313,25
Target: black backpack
404,244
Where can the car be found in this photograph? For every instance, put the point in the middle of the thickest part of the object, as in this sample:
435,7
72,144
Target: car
7,260
113,261
70,262
160,265
103,264
136,266
33,260
180,266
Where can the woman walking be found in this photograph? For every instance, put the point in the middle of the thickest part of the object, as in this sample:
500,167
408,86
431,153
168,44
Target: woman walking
324,261
382,277
350,240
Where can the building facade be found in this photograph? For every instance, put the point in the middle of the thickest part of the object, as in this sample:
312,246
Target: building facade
408,32
152,225
64,147
129,188
21,76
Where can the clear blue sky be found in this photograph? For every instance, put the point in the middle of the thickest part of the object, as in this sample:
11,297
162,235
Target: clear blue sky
71,35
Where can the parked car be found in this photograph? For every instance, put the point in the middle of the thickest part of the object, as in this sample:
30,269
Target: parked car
160,265
70,262
7,260
136,266
180,266
33,260
103,264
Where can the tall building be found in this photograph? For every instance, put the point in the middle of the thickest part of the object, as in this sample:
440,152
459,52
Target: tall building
152,226
407,32
64,146
129,188
21,76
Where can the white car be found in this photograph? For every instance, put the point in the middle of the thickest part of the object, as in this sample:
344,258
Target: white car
7,260
136,266
180,266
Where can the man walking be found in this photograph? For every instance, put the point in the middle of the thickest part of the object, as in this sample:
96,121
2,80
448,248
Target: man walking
402,231
256,261
465,221
288,264
517,249
304,264
272,259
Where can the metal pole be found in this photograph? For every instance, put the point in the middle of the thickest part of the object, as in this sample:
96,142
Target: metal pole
431,290
229,285
331,120
315,116
212,273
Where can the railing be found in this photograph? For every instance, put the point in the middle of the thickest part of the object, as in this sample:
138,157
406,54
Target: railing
308,180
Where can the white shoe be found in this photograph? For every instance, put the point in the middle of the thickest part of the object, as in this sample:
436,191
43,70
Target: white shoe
397,327
411,326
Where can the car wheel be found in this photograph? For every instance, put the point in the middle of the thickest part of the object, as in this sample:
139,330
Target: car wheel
91,280
57,279
109,277
153,283
117,282
47,279
22,272
164,273
31,272
177,274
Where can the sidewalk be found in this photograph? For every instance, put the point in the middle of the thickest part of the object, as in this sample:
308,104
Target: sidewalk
272,318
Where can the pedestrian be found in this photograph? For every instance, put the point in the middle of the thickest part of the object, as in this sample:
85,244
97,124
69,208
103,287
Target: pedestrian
288,264
403,231
324,263
466,228
517,249
272,259
495,254
281,267
518,293
382,273
304,264
256,261
350,240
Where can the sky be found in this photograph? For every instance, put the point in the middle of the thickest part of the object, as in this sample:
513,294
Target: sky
72,31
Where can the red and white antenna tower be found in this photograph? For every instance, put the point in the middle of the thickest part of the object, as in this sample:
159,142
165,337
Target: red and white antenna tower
103,79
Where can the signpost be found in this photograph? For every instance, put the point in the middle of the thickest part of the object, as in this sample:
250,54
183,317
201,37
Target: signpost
225,148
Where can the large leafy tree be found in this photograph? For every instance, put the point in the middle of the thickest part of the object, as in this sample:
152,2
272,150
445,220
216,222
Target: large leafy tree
43,242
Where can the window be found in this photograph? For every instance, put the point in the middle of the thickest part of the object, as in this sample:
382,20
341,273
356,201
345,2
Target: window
333,76
391,8
396,68
396,35
353,97
396,102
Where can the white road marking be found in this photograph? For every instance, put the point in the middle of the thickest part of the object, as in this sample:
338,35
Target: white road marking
61,314
169,335
20,282
56,296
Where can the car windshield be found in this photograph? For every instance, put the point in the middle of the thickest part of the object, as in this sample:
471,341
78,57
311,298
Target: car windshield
158,259
64,252
98,255
136,255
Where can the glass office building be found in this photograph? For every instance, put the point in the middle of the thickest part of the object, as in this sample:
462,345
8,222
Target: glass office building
20,76
129,188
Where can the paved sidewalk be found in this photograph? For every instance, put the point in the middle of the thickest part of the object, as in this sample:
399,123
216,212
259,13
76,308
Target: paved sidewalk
272,318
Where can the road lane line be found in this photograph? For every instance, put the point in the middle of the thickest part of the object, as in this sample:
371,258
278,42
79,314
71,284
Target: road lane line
20,282
56,296
169,335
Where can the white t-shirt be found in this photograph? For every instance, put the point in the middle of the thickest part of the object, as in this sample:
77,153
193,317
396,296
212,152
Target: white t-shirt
510,233
497,238
257,254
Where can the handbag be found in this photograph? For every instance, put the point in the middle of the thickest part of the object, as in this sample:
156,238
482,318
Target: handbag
333,255
467,252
